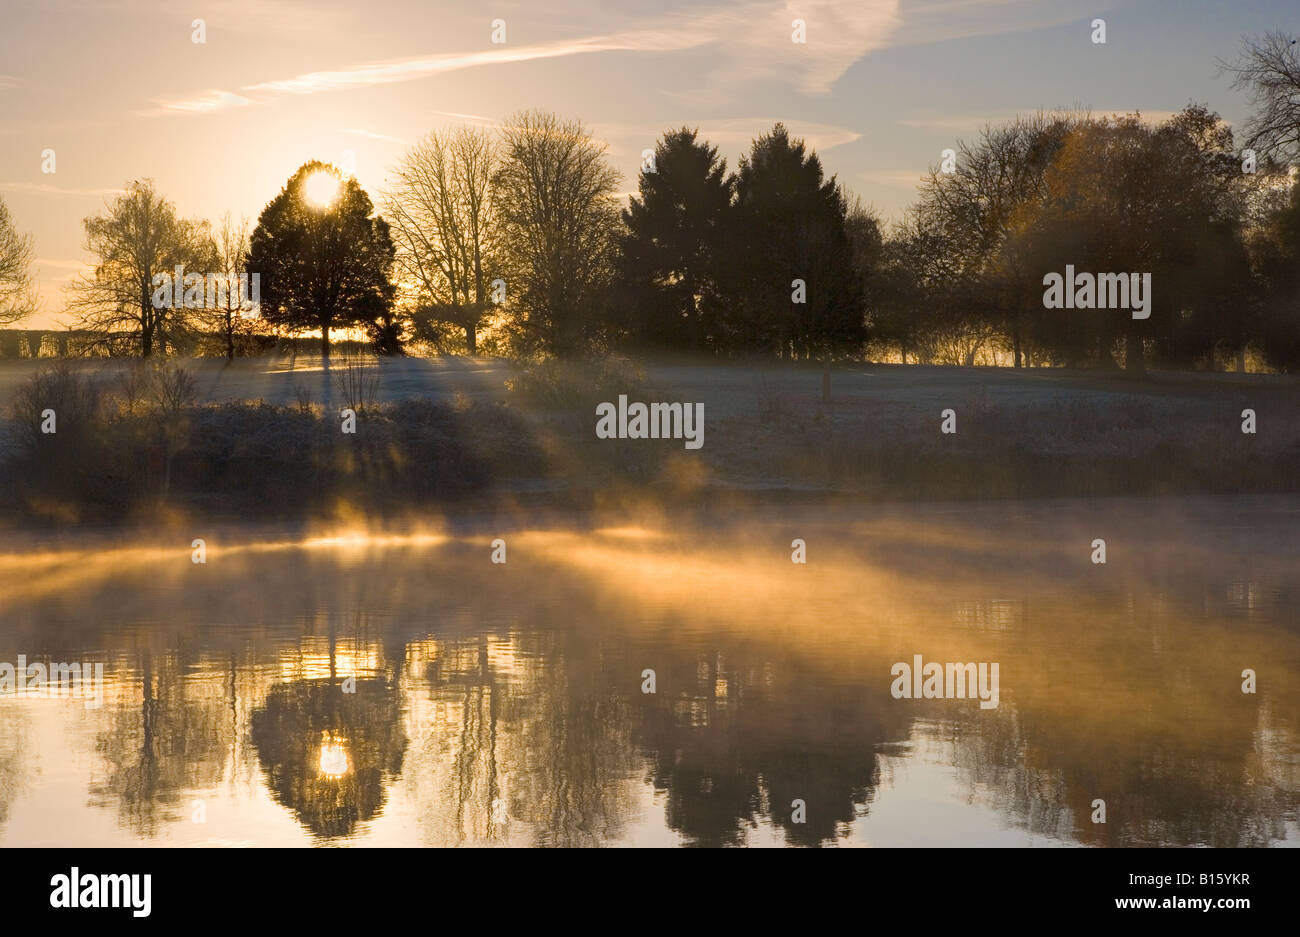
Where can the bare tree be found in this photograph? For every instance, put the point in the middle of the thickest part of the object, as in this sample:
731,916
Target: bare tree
226,312
1268,68
138,238
17,287
444,225
556,192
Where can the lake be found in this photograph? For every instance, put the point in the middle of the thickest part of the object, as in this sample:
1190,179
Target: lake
361,687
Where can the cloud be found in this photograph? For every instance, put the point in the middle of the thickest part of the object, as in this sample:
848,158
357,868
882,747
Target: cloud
751,40
204,103
362,76
949,20
754,41
45,188
469,118
371,135
74,267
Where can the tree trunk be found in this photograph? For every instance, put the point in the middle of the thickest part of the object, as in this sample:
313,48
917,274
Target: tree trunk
147,320
471,339
325,343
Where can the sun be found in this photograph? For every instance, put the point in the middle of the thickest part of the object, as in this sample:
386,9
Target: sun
321,188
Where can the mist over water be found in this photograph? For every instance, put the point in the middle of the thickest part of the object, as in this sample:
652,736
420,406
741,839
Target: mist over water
503,704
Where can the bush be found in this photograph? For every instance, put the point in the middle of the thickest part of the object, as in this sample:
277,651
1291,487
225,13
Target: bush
561,384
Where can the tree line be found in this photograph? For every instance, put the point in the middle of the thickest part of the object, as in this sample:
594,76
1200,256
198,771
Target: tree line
515,241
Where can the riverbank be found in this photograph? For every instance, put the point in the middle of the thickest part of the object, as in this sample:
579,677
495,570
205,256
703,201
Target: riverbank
268,438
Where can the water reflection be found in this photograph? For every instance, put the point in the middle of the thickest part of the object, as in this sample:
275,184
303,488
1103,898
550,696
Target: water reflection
406,691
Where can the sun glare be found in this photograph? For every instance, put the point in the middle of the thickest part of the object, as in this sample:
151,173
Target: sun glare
320,188
333,758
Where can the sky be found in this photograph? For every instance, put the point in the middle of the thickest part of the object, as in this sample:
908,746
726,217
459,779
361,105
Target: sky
120,90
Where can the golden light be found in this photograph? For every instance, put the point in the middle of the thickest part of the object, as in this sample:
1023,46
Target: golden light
321,188
333,758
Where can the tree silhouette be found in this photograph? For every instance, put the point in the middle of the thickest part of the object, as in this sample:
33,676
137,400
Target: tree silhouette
325,263
17,298
1275,249
1269,69
1123,196
555,190
138,237
445,224
788,224
671,248
966,216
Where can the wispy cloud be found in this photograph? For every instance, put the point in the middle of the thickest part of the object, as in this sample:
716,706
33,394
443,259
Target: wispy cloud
928,21
469,118
9,81
205,103
753,40
73,267
363,76
45,188
371,135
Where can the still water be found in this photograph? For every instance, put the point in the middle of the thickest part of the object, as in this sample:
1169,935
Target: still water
353,687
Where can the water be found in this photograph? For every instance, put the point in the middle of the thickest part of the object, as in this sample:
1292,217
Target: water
503,704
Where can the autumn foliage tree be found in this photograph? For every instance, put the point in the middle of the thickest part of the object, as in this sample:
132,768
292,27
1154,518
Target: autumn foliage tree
1125,196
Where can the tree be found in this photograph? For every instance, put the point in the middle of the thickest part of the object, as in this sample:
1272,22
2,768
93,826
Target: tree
789,224
445,225
1123,197
138,239
17,288
323,260
870,255
672,242
555,191
1275,249
226,313
967,214
1268,68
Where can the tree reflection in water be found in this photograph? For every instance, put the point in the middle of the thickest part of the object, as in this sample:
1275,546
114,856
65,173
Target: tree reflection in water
505,707
330,747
